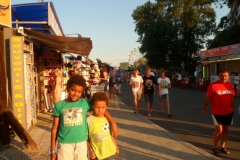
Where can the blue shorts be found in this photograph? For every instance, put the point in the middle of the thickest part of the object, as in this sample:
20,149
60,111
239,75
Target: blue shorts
149,98
164,96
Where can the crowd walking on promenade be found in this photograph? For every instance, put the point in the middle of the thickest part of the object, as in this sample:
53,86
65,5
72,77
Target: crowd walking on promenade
75,135
220,94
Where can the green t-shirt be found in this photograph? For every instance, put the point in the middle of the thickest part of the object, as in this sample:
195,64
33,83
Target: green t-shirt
73,125
100,137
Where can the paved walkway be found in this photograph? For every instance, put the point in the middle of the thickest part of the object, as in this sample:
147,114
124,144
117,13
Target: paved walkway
139,139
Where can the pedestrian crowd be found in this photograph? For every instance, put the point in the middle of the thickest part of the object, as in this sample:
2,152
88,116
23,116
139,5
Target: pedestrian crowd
146,86
84,129
220,94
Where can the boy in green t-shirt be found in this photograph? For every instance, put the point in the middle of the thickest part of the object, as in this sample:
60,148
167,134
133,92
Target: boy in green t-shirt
69,123
101,144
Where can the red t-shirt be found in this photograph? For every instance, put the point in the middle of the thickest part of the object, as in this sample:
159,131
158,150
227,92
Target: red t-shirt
221,95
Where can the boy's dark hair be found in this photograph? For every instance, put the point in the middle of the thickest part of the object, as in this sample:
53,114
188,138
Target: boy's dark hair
77,80
98,96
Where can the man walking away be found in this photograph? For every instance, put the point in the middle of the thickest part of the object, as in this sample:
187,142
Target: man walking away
221,94
163,85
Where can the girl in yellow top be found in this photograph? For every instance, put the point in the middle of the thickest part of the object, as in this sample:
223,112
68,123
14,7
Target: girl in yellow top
101,144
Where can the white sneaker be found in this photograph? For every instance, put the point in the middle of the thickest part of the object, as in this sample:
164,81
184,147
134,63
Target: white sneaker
149,115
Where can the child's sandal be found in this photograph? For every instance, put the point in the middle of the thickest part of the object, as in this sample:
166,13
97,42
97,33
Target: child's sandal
216,151
225,151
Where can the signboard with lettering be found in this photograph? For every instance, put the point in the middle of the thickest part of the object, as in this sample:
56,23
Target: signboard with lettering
124,65
221,51
5,13
17,78
52,22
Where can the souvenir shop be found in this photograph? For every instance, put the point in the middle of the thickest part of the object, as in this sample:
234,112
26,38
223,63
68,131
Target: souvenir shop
89,69
33,56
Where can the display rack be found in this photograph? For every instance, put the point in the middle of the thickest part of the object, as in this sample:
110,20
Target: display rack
30,83
51,61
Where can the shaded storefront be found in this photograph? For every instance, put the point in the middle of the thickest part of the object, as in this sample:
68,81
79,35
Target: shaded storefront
227,57
32,49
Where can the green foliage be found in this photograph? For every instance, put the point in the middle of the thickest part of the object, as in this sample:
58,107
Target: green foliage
227,33
157,43
174,30
226,37
141,63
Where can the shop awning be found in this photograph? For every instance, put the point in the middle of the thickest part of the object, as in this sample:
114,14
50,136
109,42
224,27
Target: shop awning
221,51
79,45
40,17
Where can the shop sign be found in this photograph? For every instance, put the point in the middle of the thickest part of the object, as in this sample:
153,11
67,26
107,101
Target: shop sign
5,13
17,78
124,65
52,22
222,51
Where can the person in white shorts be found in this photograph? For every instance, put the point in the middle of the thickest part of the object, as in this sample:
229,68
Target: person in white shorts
136,82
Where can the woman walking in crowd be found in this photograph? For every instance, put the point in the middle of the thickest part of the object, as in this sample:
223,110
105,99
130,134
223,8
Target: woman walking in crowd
136,83
104,78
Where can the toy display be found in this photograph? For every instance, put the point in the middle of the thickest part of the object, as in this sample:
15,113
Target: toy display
91,72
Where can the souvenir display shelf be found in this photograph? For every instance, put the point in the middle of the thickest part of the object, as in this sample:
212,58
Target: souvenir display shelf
30,83
50,61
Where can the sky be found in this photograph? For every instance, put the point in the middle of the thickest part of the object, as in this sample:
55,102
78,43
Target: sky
107,22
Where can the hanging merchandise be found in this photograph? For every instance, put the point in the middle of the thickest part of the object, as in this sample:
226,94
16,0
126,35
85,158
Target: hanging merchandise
52,61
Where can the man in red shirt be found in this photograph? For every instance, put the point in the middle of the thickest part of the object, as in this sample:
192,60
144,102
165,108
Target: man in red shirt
221,95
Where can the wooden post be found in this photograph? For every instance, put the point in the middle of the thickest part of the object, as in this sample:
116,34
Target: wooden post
6,116
20,131
3,82
4,127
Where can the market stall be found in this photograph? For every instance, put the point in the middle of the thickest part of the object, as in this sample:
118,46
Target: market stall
227,57
89,70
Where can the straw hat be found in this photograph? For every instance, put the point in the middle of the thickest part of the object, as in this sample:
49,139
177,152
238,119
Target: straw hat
88,62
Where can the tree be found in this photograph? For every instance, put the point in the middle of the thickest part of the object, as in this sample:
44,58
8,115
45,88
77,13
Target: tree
226,37
141,63
227,33
192,20
157,42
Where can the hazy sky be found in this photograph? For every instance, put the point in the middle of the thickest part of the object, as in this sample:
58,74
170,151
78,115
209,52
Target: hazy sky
107,22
